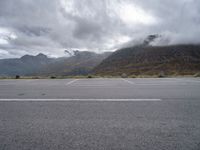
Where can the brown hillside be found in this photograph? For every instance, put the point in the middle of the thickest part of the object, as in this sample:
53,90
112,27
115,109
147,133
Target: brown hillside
140,60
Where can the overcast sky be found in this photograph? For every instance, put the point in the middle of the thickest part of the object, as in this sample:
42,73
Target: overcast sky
51,26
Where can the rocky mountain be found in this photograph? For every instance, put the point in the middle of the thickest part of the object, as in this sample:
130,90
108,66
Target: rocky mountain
151,60
149,39
71,52
80,63
26,65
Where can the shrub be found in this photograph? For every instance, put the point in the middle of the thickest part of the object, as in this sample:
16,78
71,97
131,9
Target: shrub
89,76
17,77
161,74
53,77
124,75
133,76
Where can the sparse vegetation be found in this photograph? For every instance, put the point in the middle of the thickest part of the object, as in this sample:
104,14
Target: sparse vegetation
177,60
161,74
132,76
36,77
124,75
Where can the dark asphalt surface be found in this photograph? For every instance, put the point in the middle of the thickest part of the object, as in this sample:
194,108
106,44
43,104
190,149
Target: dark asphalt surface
170,124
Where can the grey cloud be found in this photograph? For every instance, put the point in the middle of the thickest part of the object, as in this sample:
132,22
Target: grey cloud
87,29
50,26
34,31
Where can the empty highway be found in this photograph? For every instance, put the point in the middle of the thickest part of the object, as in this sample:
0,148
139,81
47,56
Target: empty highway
102,114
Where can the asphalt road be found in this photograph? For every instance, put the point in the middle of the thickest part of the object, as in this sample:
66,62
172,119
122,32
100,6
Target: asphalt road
102,114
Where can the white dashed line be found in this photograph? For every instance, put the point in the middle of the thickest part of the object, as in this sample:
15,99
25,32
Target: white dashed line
90,85
71,82
82,100
154,84
130,82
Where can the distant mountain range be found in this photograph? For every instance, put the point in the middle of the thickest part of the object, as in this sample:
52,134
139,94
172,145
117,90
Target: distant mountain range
142,59
25,65
78,63
81,63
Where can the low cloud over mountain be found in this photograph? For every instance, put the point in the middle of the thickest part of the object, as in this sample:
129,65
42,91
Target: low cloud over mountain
50,27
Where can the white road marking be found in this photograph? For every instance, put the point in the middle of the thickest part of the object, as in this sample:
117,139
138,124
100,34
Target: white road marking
130,82
71,82
150,84
90,85
82,100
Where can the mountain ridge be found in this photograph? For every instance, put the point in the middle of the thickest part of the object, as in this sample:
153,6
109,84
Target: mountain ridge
81,63
151,60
